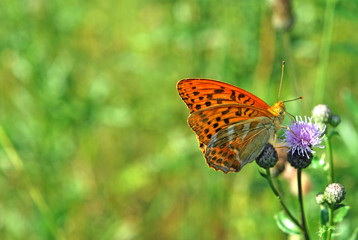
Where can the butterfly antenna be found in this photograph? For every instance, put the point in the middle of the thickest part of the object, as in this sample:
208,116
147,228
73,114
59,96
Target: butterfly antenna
289,114
293,99
283,68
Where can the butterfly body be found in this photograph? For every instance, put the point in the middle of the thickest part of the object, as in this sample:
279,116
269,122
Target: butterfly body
232,125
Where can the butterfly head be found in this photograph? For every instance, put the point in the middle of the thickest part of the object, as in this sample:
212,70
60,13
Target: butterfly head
278,110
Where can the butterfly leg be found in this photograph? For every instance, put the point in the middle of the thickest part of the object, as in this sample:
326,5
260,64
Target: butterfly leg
294,133
274,140
285,127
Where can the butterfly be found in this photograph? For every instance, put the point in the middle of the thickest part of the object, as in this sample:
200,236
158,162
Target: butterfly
232,125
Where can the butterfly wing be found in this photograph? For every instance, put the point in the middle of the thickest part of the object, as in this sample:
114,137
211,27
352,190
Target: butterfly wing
233,147
202,93
207,122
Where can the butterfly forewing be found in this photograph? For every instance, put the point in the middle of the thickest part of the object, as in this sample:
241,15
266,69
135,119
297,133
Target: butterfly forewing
202,93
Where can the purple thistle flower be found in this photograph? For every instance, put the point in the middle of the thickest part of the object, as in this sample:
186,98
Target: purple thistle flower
302,135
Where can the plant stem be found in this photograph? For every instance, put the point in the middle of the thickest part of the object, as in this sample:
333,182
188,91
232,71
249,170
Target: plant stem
303,219
330,227
324,51
283,205
330,158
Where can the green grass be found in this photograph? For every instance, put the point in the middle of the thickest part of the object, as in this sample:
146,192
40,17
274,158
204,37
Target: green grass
94,140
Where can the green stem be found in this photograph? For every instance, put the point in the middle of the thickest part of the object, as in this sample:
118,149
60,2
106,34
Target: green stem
300,199
330,227
330,159
283,205
324,51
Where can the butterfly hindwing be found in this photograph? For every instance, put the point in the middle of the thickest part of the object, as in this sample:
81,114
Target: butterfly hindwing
233,147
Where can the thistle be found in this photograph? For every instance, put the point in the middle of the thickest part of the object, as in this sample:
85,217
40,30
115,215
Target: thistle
303,135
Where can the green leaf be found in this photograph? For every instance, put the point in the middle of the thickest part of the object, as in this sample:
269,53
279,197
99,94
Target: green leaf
340,213
318,162
263,174
354,234
286,224
324,216
333,133
323,232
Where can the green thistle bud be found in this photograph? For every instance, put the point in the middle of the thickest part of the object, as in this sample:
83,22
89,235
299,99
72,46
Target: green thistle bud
335,120
322,114
334,193
320,198
299,161
268,157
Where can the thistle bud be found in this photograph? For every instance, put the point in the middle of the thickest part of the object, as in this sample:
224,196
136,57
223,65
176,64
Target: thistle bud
322,114
299,161
335,120
320,198
334,193
268,157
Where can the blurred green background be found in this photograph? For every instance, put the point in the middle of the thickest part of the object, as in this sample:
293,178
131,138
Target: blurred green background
94,139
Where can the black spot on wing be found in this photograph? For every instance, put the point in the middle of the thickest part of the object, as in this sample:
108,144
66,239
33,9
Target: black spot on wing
226,111
240,96
219,91
233,96
246,101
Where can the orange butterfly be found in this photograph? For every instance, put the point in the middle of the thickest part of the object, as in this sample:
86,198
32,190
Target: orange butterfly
232,125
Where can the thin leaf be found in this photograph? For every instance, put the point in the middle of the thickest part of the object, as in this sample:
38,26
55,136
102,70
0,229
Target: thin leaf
332,133
354,234
318,162
340,213
263,174
323,232
286,224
